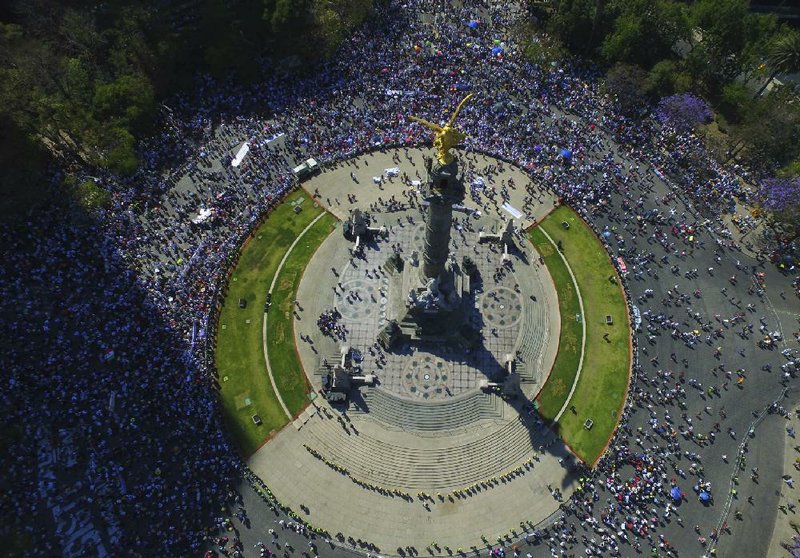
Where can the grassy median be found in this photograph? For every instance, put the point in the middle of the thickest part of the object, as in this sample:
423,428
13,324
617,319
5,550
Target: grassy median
245,386
555,391
600,391
283,358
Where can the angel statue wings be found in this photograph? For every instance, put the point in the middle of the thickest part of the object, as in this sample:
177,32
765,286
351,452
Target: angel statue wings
446,136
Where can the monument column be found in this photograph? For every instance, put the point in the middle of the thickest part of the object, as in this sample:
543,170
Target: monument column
442,191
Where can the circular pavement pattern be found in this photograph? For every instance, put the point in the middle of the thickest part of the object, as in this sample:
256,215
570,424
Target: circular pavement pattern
427,377
427,425
501,307
362,304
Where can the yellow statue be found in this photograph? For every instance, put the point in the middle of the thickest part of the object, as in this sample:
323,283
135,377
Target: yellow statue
447,136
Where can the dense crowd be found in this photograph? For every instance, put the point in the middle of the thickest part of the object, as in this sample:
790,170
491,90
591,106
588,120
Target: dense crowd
328,324
108,317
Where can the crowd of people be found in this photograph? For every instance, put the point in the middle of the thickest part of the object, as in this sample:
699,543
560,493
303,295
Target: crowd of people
109,317
328,324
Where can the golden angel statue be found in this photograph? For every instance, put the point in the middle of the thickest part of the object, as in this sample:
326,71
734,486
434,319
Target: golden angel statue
446,137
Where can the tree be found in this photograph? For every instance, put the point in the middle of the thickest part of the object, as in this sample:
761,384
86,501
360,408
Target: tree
23,180
127,100
790,171
581,25
334,18
783,57
735,102
286,16
780,194
83,79
683,112
117,152
224,33
41,93
780,198
597,20
725,33
312,29
627,84
722,22
762,30
90,195
667,77
623,44
770,131
644,31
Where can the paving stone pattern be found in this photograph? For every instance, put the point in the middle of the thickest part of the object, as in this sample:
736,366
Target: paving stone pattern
436,372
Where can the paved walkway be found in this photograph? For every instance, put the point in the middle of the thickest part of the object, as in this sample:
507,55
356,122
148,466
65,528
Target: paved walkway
518,314
410,463
789,497
533,333
335,184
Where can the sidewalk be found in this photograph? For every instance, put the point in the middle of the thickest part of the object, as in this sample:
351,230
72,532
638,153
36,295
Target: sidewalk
334,185
334,502
786,518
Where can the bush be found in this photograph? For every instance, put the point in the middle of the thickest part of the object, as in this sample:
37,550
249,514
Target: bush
790,171
91,195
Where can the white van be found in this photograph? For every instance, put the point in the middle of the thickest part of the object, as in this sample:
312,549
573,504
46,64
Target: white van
306,169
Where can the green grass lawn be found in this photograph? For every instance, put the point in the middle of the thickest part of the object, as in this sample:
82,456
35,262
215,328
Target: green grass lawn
600,392
239,355
555,391
283,358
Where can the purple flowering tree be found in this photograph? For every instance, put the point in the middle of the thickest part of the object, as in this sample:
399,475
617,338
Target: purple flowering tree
683,112
780,197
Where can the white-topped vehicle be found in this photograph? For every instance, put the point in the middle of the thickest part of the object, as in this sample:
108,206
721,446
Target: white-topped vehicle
306,169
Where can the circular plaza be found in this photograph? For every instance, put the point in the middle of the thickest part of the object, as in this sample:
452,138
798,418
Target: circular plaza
438,436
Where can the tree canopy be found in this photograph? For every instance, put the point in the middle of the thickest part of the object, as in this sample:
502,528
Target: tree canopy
780,198
719,50
84,80
683,112
644,31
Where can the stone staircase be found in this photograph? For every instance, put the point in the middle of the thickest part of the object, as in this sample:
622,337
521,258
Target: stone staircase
333,358
532,343
426,417
412,469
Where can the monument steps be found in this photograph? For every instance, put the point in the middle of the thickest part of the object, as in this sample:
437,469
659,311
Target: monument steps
428,416
534,324
442,468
